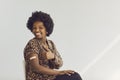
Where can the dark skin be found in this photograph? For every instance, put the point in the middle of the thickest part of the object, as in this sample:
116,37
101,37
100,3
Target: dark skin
39,31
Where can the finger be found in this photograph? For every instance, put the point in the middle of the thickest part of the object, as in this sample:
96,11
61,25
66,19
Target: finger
70,72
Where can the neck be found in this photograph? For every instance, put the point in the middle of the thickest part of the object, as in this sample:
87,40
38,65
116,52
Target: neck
44,40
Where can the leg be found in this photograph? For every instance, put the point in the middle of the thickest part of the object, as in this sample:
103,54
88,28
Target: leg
74,76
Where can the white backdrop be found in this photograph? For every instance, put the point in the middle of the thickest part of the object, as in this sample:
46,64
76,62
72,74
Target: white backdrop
86,33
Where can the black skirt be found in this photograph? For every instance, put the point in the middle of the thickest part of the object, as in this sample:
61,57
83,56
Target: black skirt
74,76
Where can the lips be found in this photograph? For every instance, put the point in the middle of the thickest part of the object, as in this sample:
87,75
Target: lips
39,35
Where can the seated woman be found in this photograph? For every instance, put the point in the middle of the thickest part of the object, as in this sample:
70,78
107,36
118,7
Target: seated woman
42,60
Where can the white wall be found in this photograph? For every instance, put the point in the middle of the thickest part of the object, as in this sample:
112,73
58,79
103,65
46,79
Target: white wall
86,33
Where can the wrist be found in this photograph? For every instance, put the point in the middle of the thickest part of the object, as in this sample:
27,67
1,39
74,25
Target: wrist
57,73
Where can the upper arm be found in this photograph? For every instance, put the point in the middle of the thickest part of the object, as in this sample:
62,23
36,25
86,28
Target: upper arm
30,49
31,54
34,61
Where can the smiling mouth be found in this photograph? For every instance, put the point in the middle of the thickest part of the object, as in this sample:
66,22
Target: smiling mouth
38,35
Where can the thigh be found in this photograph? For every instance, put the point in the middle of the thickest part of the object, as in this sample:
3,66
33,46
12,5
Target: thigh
74,76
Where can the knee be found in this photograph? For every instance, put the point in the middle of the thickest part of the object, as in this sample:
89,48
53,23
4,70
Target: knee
76,76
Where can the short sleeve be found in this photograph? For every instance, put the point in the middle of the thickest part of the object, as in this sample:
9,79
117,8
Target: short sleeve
31,47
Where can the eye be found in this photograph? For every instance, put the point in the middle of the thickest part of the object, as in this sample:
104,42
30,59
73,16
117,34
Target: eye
34,27
40,27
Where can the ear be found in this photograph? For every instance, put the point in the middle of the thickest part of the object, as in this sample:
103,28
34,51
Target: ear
46,32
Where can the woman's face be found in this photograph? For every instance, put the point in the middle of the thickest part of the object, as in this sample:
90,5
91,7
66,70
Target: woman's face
39,29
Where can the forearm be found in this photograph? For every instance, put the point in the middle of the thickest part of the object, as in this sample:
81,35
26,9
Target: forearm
45,70
55,63
58,61
41,69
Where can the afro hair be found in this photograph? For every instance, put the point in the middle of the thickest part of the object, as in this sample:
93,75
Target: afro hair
43,17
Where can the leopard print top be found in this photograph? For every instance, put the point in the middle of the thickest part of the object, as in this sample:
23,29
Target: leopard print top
34,46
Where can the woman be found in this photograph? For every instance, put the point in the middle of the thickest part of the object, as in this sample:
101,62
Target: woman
41,56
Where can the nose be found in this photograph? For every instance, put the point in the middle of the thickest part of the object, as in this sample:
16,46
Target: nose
37,30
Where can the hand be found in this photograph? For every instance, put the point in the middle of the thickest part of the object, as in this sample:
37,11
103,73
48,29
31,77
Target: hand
67,72
50,55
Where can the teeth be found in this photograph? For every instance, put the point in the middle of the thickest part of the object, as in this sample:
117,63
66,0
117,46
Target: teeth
38,33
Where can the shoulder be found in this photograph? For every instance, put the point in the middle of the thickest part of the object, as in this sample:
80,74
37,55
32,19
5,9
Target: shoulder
31,42
31,46
51,42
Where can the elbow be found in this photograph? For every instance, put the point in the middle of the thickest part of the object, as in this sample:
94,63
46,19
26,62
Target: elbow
40,69
61,63
37,68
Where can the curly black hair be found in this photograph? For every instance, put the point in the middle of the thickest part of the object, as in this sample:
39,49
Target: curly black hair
43,17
